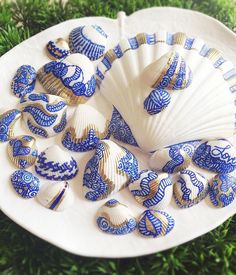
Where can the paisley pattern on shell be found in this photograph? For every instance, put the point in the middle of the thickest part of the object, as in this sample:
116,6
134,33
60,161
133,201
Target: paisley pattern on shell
36,129
7,121
62,124
58,49
129,165
35,97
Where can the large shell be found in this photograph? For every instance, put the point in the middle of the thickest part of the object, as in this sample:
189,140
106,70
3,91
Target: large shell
71,78
115,218
56,164
86,129
7,122
57,49
152,190
44,115
204,109
109,170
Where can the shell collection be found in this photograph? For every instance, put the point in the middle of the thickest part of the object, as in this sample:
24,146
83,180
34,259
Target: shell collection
57,49
7,122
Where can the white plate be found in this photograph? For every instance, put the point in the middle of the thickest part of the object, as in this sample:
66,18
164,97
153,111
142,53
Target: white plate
75,230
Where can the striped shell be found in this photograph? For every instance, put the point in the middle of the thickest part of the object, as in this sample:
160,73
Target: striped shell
57,49
7,122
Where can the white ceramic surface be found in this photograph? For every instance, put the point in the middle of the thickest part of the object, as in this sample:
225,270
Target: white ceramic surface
75,229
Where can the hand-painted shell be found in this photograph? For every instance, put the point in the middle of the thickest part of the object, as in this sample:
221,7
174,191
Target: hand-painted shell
57,49
7,122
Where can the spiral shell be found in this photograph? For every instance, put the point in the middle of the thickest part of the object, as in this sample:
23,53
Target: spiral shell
7,122
57,49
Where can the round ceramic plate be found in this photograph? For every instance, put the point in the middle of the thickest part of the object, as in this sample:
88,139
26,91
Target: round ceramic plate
75,229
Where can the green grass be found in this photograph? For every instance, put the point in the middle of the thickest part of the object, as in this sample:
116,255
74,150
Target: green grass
22,253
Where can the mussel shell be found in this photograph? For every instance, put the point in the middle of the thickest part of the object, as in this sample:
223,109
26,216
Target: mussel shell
7,122
57,49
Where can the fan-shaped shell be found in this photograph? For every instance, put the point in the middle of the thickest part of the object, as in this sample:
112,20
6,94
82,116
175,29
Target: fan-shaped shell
115,218
7,122
109,170
57,49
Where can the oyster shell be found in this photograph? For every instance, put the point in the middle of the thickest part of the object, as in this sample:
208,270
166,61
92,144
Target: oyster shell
7,122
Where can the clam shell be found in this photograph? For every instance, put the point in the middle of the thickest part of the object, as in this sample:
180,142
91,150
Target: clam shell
22,151
222,190
88,40
25,184
56,196
57,49
86,129
152,190
56,164
218,156
190,188
115,218
71,78
109,170
7,122
155,223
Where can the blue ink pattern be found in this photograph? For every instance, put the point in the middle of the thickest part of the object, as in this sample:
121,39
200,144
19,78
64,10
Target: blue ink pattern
7,121
55,51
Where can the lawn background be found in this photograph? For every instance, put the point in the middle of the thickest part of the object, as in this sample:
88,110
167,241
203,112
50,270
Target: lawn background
21,252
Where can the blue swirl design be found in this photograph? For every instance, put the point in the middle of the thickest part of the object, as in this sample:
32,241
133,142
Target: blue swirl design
129,165
35,97
188,147
55,107
55,51
7,121
18,149
177,160
36,129
62,124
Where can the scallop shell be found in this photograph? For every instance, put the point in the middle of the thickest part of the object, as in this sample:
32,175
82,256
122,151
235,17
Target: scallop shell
87,127
109,170
22,151
204,109
7,122
57,49
218,156
56,196
152,190
25,184
71,78
44,115
115,218
56,164
222,190
88,40
190,188
155,223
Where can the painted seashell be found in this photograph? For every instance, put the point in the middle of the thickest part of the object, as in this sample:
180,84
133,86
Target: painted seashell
115,218
222,190
25,184
110,169
7,122
24,80
71,78
56,196
188,147
218,156
152,190
44,115
57,49
87,127
170,160
88,40
22,151
56,164
202,110
190,188
155,223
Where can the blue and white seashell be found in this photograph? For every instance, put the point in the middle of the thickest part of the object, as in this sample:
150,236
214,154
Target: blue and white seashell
22,151
188,147
57,49
111,168
152,190
217,156
222,190
87,128
56,196
24,80
115,218
155,223
7,122
88,40
44,115
56,164
25,184
72,78
190,188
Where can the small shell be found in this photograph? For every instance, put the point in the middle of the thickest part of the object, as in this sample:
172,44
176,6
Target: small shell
218,156
24,80
88,40
188,147
115,218
222,190
152,190
190,188
55,164
155,223
56,196
57,49
7,122
22,151
72,78
108,171
25,184
87,127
